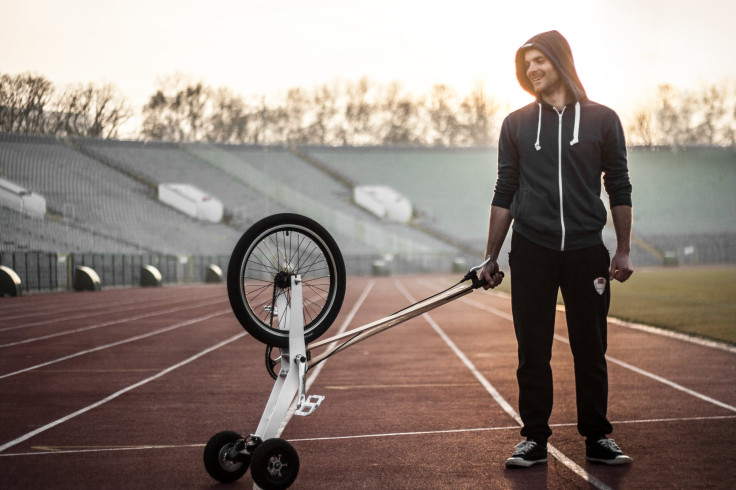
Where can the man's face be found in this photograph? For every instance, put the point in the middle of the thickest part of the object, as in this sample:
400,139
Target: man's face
541,73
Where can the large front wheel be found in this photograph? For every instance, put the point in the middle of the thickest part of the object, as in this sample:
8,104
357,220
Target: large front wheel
259,277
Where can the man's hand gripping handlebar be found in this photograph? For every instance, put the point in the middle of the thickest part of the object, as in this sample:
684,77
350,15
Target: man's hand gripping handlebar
490,276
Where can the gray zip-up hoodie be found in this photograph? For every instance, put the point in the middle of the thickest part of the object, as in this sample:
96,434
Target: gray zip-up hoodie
550,162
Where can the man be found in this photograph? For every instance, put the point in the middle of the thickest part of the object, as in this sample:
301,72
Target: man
551,155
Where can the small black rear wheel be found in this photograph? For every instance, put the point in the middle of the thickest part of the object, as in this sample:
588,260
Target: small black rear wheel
274,465
218,461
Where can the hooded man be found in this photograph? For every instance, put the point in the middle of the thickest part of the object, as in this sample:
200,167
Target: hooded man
551,156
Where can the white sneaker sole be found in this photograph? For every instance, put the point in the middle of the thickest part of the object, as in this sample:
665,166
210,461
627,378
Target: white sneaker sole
524,463
623,459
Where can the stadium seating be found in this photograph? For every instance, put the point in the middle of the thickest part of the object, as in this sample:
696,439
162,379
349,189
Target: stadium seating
157,163
94,196
332,198
101,198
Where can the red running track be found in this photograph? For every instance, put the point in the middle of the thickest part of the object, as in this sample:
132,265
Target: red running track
122,389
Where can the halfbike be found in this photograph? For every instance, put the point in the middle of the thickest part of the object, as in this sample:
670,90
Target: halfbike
286,284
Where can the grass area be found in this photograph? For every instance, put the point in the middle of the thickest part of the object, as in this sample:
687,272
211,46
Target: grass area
694,300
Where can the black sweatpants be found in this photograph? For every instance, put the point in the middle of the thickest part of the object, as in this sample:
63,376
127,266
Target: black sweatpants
537,273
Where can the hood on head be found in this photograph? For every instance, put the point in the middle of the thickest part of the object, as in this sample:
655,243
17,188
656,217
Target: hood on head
556,48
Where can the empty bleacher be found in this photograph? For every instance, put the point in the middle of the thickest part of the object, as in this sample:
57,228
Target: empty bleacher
450,188
156,163
25,233
93,196
293,183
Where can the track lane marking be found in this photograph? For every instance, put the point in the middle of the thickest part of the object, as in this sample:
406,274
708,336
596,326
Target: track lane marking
60,450
504,428
84,316
570,464
662,380
118,393
109,323
662,332
395,386
115,344
713,344
165,300
619,362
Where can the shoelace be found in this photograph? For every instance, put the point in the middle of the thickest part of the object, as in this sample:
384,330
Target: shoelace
525,446
609,444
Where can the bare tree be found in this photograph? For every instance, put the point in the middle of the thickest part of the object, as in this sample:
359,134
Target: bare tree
399,117
177,111
90,110
358,112
712,102
325,104
23,102
231,120
296,109
729,130
669,120
445,126
641,131
479,112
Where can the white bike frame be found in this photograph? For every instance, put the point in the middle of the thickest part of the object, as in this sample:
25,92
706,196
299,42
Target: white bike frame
291,380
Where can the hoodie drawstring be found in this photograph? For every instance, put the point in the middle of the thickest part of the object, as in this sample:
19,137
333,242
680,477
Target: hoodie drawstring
539,128
576,129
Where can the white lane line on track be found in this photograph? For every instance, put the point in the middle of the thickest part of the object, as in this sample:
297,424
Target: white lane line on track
97,306
713,344
58,450
119,342
510,427
87,315
571,465
118,393
111,322
623,364
674,335
318,369
653,376
41,451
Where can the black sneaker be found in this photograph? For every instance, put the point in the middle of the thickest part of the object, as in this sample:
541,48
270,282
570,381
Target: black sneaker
527,453
605,451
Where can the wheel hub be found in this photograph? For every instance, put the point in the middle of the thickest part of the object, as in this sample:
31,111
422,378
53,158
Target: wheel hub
226,461
283,279
275,465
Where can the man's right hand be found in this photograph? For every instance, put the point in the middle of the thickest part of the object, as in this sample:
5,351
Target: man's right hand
491,274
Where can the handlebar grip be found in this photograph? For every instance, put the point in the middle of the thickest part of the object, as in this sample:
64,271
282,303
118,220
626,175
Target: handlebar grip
479,282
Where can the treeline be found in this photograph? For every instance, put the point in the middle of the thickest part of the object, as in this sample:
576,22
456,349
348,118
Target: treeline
675,119
30,103
338,113
342,112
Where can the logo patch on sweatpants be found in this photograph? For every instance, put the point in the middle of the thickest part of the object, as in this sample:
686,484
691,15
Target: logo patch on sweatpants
600,285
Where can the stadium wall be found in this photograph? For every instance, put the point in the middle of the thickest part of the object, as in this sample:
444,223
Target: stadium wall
49,271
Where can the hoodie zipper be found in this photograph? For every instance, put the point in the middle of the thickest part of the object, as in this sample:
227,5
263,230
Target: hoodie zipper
559,174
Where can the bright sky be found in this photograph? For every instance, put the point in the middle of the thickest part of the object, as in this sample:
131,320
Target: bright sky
623,48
